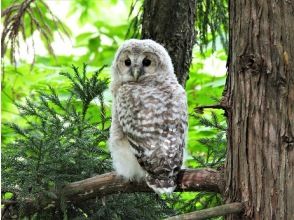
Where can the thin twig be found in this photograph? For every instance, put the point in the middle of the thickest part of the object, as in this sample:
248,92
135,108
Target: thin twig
199,109
8,202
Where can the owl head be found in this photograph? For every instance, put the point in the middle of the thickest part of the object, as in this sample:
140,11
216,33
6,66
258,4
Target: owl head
137,60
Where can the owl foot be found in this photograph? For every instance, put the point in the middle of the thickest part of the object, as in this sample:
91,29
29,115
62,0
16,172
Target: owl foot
165,190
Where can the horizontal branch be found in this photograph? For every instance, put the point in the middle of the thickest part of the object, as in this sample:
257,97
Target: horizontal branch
8,202
221,210
98,186
110,183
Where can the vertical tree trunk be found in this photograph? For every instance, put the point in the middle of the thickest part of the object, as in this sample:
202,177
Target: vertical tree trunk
260,99
171,23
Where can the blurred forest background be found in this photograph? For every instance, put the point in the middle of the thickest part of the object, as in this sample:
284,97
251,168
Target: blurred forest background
56,103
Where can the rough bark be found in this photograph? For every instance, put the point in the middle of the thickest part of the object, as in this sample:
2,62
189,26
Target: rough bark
171,23
260,97
188,180
98,186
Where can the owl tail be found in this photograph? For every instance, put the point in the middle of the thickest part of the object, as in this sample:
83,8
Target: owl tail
161,184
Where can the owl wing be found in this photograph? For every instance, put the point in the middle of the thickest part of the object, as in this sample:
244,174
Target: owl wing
154,119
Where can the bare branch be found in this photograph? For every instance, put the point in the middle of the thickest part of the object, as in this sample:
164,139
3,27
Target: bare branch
8,202
109,183
221,210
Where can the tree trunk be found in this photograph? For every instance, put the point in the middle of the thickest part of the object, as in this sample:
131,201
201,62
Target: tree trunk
260,100
171,23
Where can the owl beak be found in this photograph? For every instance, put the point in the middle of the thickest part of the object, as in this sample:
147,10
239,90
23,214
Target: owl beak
136,72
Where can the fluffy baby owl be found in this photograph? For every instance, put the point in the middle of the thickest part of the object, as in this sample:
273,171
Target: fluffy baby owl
149,115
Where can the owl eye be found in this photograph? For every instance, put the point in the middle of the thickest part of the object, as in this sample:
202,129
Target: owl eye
146,62
128,62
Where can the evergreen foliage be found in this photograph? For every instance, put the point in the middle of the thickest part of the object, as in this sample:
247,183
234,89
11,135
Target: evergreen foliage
215,144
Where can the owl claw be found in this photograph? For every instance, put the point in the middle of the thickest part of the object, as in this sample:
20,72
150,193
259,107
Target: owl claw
164,190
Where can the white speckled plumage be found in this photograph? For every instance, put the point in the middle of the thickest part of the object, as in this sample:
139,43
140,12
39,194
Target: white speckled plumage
149,115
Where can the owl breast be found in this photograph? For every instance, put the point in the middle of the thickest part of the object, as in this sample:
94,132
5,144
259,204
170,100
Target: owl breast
154,120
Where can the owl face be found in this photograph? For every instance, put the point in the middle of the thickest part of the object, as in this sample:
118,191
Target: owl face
138,59
133,64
